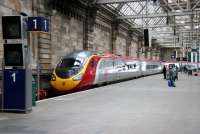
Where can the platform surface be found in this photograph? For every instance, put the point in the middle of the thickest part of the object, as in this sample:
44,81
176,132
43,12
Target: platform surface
140,106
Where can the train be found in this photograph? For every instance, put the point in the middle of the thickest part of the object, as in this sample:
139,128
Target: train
83,69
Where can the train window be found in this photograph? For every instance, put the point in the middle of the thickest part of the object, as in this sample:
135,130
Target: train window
114,63
68,67
149,66
110,63
107,63
69,62
80,59
119,63
101,66
134,65
77,63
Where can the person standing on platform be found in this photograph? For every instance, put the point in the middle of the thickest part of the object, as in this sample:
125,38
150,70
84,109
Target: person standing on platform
172,75
177,72
164,72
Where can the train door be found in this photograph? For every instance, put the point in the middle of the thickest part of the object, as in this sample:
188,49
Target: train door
148,68
115,70
105,71
89,74
100,72
138,68
119,67
108,74
143,68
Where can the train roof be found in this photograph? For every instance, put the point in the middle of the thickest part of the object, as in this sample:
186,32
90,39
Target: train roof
81,53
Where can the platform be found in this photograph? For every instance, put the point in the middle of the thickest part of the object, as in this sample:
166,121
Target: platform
140,106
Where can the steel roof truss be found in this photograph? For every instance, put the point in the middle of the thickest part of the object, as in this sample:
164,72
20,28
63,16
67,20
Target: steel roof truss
115,1
196,4
158,15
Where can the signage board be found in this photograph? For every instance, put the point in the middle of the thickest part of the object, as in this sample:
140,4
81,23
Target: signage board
39,24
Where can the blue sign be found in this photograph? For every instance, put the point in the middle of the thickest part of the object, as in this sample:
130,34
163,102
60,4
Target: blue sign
14,89
38,24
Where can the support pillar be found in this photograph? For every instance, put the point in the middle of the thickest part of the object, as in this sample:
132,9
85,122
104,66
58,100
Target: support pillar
140,47
89,28
128,42
148,49
115,32
153,54
157,53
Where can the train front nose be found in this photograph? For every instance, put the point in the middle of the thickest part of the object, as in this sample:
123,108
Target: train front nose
66,76
63,85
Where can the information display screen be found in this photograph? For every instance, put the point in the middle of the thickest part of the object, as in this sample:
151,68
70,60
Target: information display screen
13,54
11,26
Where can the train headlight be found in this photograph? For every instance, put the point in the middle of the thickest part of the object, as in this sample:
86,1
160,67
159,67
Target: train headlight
53,77
77,77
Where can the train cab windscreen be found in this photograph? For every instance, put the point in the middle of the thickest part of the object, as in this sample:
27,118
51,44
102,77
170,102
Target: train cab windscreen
68,67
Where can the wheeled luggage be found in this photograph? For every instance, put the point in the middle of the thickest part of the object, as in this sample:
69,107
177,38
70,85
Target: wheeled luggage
171,83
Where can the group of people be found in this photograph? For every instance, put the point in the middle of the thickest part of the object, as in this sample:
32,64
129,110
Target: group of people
171,74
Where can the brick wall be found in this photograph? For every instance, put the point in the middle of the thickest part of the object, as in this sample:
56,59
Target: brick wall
102,39
121,41
101,35
133,48
67,36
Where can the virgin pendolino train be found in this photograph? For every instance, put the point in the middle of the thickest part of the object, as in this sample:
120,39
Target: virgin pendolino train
83,69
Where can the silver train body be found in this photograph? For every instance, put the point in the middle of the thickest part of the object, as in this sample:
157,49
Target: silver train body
115,69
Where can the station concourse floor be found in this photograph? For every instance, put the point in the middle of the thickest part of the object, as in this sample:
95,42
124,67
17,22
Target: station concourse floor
139,106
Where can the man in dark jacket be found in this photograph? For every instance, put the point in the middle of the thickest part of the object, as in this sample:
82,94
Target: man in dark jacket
172,75
164,72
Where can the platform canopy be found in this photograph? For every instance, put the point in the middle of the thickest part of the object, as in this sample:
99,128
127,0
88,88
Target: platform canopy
176,20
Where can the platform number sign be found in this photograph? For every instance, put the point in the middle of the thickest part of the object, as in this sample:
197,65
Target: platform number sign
39,24
13,75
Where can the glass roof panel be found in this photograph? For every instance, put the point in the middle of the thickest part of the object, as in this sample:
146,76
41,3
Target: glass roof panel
135,6
124,9
138,21
113,5
149,7
128,10
170,1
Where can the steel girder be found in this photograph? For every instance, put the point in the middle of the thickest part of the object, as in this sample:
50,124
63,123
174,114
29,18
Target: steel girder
159,15
115,1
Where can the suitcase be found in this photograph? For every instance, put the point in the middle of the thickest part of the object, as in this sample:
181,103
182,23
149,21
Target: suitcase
171,83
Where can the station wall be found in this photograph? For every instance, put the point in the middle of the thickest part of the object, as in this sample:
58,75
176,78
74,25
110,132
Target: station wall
67,36
134,48
102,39
68,32
121,43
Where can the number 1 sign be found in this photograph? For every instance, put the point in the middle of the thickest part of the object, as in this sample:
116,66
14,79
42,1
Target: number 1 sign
39,24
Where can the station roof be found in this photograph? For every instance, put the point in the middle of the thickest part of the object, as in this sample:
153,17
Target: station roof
172,23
